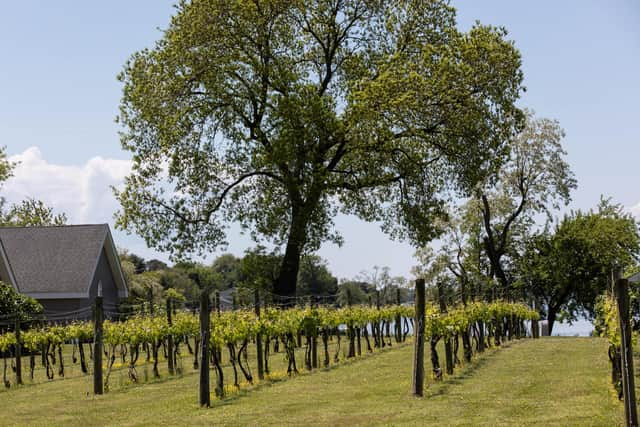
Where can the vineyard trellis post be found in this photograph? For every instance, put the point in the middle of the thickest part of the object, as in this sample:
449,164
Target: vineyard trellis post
628,384
418,354
170,360
98,315
150,300
396,322
256,301
205,398
535,326
18,352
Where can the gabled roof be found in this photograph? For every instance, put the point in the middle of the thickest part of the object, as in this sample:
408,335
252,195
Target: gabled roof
634,278
57,261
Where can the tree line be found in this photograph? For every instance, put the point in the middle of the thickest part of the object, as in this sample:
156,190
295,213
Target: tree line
239,277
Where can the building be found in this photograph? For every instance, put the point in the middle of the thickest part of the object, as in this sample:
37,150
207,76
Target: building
63,267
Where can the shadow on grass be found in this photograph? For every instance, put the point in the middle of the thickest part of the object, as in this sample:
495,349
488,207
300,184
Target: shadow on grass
237,394
440,388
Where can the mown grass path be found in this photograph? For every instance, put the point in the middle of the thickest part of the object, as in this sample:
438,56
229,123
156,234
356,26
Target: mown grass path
551,381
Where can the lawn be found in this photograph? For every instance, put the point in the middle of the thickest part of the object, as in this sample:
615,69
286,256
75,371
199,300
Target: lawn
551,381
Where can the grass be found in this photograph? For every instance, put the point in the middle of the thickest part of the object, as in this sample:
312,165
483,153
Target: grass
551,381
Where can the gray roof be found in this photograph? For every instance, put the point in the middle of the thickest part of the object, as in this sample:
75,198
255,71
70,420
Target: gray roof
56,259
634,278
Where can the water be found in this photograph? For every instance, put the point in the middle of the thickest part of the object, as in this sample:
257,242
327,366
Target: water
582,328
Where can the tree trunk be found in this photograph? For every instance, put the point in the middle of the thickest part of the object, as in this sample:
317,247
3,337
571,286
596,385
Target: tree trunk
466,345
448,351
435,360
551,318
285,286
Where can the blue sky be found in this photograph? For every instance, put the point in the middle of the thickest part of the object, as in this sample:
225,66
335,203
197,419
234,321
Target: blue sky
59,97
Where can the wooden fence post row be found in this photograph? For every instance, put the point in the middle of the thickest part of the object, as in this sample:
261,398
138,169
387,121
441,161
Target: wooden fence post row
628,383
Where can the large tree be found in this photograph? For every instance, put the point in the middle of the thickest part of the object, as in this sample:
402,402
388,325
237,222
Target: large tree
535,179
565,270
277,114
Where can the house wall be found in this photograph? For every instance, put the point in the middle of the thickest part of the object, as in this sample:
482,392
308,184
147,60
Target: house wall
109,290
54,308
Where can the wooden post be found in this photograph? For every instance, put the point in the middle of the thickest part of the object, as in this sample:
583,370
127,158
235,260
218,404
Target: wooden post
205,398
98,315
418,353
396,322
170,360
256,303
350,330
447,343
18,353
150,300
628,383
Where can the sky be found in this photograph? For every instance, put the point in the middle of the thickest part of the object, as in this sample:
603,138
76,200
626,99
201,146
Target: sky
59,96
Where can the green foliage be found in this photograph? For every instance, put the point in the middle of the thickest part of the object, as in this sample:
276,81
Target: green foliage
315,278
535,179
16,306
278,114
569,268
607,322
229,268
6,167
230,327
31,213
260,268
354,292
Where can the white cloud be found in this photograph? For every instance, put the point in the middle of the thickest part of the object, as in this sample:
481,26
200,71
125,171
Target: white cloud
82,192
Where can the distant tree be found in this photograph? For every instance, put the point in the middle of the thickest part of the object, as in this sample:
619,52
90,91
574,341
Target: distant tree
566,270
144,287
31,213
178,279
354,292
380,280
229,270
260,270
535,179
279,114
139,264
155,265
314,278
6,167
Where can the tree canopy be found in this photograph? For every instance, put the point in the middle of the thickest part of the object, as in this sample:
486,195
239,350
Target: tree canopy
566,270
17,306
535,179
31,213
278,114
